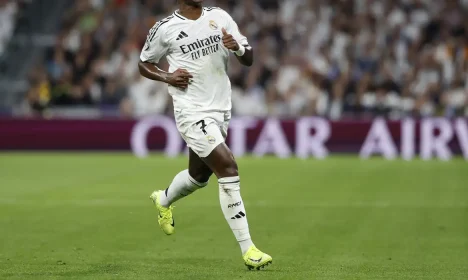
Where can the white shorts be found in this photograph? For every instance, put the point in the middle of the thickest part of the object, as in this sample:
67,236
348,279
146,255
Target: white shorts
202,131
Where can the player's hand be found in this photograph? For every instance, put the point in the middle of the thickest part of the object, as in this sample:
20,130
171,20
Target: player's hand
180,78
229,42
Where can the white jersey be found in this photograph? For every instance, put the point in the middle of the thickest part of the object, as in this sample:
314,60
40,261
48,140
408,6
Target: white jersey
196,45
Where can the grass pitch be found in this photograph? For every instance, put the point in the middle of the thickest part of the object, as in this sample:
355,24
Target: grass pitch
88,216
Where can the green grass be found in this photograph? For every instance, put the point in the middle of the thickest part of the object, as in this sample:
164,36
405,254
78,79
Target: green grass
88,216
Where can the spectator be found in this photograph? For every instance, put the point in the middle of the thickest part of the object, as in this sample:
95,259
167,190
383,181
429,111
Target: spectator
147,97
113,93
8,10
39,94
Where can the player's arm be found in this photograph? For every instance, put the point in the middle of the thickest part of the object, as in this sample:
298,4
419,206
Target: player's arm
180,78
155,48
244,53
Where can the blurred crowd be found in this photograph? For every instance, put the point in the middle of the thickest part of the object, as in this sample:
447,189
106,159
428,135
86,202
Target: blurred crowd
331,58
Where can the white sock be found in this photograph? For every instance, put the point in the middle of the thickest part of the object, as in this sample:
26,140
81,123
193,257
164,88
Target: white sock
182,186
234,210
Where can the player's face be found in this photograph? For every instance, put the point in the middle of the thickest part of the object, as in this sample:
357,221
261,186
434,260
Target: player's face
193,3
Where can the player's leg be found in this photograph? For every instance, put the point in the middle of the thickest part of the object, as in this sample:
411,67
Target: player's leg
221,161
198,169
187,181
184,183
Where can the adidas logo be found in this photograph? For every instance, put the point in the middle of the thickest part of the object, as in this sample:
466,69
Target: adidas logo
238,215
182,35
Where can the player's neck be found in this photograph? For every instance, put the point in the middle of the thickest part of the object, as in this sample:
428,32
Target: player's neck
190,12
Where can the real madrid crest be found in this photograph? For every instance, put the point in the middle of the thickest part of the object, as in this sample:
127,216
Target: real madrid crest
213,25
211,139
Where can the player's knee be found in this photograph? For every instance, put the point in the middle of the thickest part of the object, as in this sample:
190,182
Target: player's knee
201,177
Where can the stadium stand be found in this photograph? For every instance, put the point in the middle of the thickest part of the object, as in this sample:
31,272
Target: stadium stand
337,59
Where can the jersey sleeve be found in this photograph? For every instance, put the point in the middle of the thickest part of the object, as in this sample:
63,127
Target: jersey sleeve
155,46
233,29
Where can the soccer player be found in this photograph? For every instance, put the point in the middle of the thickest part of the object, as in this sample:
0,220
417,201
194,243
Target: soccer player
197,42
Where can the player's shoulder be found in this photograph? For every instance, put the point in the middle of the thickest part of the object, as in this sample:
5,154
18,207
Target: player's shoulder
163,23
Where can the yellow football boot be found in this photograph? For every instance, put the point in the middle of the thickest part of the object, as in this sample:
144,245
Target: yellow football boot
256,259
165,220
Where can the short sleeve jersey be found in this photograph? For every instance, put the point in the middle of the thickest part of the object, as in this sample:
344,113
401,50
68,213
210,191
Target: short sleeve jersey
196,45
